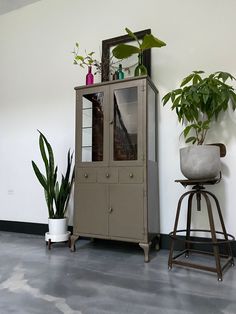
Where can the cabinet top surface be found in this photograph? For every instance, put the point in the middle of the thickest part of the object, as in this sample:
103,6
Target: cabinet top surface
129,79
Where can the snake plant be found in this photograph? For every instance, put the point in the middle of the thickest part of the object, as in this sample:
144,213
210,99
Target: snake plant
57,193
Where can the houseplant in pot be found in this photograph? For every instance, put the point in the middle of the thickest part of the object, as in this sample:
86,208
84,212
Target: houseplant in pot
198,102
57,193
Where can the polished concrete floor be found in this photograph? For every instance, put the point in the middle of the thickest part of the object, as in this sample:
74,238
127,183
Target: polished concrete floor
103,277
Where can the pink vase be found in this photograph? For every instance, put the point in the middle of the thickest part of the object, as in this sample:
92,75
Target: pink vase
89,76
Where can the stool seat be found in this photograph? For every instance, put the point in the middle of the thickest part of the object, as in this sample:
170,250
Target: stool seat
198,190
186,182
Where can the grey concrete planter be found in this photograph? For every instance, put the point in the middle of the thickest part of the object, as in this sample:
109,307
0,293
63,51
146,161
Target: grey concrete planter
200,162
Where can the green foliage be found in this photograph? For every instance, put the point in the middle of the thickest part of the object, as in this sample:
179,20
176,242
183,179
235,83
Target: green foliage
201,102
123,51
87,60
57,194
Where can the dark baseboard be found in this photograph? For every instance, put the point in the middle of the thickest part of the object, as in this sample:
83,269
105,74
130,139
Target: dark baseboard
25,227
40,229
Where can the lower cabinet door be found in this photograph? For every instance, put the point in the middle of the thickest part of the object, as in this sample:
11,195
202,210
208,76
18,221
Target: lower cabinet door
91,209
126,211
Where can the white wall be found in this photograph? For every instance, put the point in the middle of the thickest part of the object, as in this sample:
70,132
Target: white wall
37,79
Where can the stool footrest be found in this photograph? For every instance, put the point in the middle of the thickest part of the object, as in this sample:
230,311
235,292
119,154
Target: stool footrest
219,241
229,261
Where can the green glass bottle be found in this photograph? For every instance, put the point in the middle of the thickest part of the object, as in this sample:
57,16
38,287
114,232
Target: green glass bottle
121,74
140,68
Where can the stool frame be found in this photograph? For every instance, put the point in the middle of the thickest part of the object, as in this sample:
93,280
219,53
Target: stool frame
199,191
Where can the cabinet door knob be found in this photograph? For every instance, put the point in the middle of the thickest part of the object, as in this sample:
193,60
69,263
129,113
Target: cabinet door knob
107,175
86,175
111,122
110,210
131,175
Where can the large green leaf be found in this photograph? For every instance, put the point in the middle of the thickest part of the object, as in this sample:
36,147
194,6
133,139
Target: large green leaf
166,98
190,139
186,130
187,80
149,41
123,51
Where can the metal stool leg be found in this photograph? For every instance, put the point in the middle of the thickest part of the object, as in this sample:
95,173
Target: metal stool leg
228,246
175,229
189,214
213,235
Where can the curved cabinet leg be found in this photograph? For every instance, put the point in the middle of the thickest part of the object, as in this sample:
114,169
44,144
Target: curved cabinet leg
73,239
145,247
69,242
49,244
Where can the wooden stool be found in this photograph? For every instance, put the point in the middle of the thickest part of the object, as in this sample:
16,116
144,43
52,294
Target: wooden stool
199,191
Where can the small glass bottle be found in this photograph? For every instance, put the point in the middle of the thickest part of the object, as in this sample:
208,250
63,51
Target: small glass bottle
89,76
121,74
140,68
116,75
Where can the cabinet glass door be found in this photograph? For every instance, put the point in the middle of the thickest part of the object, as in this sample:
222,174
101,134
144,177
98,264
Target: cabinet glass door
125,124
92,127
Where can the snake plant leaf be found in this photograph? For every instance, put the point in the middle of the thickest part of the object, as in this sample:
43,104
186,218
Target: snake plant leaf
123,51
49,165
42,150
55,176
39,175
50,151
149,41
49,162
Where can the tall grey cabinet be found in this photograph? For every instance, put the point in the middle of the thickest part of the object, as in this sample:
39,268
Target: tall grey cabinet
116,180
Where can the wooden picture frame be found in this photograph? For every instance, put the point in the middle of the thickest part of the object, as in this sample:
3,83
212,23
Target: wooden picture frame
107,44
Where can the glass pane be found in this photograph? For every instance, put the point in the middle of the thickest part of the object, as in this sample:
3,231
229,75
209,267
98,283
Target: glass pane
125,124
92,127
87,118
151,124
86,153
87,137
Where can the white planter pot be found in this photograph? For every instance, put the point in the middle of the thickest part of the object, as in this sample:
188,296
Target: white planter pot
200,162
57,226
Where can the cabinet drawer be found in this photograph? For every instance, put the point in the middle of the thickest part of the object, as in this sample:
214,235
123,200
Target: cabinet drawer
86,175
131,175
107,175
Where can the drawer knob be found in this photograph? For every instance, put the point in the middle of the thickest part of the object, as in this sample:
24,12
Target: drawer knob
131,175
110,210
86,175
107,175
